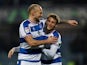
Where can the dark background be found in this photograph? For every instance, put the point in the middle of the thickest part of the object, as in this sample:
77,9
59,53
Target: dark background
74,38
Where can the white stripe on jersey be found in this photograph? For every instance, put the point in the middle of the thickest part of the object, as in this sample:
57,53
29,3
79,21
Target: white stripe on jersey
29,56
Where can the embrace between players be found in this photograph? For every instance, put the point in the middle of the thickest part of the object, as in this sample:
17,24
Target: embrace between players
39,41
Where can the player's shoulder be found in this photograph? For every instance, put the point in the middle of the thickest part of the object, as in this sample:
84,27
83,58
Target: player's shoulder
56,33
25,22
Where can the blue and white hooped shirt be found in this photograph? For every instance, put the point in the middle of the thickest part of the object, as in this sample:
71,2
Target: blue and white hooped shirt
36,30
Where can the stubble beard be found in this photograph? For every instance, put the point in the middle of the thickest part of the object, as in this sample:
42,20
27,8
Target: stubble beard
37,20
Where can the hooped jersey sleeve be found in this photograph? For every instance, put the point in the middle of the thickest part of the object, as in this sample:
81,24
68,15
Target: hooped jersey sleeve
24,28
57,34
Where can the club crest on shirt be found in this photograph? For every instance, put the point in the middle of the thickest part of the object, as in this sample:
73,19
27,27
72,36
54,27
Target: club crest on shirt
27,29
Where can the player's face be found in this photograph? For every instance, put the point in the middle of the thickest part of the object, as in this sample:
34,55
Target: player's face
51,23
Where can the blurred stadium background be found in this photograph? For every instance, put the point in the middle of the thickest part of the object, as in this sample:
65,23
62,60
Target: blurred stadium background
74,46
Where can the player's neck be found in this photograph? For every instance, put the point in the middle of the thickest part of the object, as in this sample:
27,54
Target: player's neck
32,19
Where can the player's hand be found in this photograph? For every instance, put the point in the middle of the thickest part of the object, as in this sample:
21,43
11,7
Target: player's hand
52,39
72,22
11,52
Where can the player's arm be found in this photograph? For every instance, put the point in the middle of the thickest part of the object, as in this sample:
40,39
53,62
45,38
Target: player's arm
71,22
50,52
53,49
33,42
11,51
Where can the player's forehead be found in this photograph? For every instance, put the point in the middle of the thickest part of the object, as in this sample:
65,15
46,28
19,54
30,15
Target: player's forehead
39,8
51,19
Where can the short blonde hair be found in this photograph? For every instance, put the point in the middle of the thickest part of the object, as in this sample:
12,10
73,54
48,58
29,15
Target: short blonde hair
32,6
56,17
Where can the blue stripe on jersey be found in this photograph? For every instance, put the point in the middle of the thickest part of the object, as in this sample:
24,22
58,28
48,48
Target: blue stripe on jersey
37,38
41,38
58,50
55,33
18,62
30,51
25,24
22,40
29,60
37,27
59,59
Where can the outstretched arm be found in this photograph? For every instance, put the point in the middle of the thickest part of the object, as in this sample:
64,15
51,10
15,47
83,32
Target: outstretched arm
14,49
71,22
